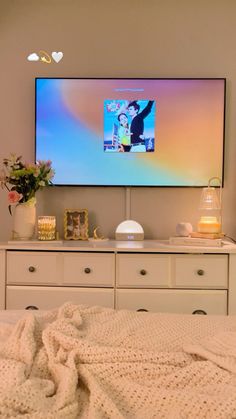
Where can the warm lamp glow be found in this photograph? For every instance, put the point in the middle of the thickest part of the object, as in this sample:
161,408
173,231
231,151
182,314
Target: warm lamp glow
210,202
46,227
209,224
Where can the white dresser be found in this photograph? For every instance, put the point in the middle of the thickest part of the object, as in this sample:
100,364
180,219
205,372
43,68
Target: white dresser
146,276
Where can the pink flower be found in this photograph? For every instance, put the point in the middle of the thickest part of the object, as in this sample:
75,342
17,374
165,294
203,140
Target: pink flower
14,197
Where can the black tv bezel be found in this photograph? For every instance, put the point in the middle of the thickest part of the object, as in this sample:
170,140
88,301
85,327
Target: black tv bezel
136,78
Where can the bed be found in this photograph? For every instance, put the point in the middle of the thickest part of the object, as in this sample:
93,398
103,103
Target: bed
96,363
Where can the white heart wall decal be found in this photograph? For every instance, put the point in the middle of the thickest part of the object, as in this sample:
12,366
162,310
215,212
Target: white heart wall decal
57,56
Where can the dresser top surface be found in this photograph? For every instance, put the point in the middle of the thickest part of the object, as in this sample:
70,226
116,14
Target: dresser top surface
154,246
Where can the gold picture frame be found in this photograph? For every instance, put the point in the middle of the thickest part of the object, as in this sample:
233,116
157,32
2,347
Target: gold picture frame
76,224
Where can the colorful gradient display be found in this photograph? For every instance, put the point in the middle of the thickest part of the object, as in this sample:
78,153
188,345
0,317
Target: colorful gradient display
187,124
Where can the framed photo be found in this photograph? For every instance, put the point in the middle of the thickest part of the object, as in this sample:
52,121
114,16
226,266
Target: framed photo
76,224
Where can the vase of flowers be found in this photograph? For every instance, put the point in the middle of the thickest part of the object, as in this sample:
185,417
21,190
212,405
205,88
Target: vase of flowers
23,180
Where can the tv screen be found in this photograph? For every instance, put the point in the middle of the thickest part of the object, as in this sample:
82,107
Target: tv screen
131,132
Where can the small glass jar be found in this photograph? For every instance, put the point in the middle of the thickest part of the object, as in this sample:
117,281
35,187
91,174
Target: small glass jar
209,224
46,227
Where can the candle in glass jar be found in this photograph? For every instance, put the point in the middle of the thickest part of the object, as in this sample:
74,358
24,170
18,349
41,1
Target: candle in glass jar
209,224
46,227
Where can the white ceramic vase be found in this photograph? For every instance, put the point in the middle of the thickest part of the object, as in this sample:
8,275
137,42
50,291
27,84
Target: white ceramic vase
24,221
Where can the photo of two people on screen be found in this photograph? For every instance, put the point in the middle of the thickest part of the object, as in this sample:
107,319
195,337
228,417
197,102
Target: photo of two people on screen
129,126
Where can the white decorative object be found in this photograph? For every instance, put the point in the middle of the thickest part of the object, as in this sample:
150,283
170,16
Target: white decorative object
24,221
184,229
57,56
129,230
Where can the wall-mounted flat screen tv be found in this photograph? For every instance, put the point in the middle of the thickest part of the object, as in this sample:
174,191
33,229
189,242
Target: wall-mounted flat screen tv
131,132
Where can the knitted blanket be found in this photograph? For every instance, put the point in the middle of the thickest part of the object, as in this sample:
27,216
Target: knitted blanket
98,363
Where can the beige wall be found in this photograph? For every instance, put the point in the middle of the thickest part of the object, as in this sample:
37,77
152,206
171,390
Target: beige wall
105,38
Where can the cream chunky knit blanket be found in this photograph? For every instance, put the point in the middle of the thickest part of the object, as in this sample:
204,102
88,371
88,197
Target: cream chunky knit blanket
97,363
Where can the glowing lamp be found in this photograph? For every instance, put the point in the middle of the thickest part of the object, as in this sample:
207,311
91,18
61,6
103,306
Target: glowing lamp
210,206
129,230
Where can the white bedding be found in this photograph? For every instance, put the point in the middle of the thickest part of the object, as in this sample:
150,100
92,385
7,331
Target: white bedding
12,316
97,363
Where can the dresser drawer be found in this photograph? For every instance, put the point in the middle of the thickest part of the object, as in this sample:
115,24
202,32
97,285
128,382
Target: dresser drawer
32,267
45,298
143,270
173,301
89,269
201,271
